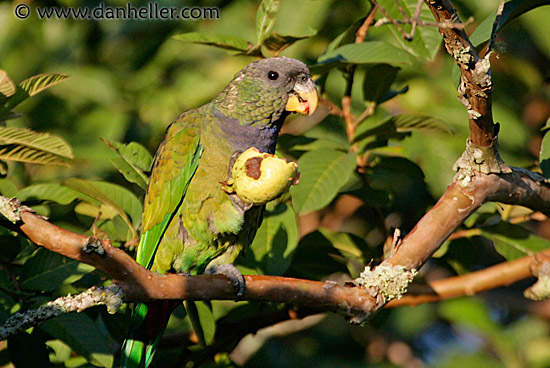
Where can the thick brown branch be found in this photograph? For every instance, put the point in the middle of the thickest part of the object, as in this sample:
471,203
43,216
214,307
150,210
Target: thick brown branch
465,195
139,284
475,88
456,204
521,187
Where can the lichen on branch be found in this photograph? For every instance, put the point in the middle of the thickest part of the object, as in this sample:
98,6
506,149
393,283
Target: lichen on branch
386,282
482,159
110,296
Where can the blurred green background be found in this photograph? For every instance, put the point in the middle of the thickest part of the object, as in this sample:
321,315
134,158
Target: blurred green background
129,79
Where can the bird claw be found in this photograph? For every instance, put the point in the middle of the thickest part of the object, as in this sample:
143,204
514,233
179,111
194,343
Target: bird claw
232,273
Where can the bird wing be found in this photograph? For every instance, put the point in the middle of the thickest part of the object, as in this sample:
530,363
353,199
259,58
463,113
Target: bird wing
175,163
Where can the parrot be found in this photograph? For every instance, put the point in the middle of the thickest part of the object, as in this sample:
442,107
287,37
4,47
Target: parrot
189,224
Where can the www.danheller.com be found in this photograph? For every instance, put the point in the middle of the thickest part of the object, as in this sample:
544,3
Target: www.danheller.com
152,11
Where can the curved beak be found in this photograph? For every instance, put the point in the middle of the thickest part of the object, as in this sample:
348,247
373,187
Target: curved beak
303,98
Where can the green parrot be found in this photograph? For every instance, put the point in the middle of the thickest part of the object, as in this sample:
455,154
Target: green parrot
190,225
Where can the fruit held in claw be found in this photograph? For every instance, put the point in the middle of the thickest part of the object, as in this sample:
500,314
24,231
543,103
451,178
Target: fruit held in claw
259,177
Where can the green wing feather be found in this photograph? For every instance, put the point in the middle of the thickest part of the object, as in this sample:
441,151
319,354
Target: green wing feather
175,164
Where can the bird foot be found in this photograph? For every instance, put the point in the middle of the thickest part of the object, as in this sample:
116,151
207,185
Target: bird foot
232,273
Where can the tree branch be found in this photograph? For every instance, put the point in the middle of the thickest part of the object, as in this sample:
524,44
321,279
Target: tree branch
465,195
20,321
139,284
476,87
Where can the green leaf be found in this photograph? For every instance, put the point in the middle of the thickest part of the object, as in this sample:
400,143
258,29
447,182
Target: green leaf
512,9
61,352
265,19
315,144
533,22
544,158
346,37
315,257
82,334
397,127
371,52
25,145
30,87
40,82
7,87
8,188
331,128
100,210
275,240
343,242
132,159
513,241
469,313
276,42
134,153
45,271
350,248
51,192
323,173
377,82
426,40
115,197
218,40
129,172
474,316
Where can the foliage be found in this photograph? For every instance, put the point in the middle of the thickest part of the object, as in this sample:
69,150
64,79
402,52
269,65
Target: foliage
129,79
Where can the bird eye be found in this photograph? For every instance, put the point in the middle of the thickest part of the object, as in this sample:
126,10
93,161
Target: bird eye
272,75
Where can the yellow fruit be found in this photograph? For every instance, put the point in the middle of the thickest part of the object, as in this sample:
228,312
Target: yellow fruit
259,177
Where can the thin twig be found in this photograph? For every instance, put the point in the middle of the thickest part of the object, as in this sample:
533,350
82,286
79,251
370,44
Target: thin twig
502,274
388,16
423,23
369,111
401,10
332,108
464,234
415,18
495,28
360,35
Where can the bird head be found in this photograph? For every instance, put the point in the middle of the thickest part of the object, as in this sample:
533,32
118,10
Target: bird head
264,91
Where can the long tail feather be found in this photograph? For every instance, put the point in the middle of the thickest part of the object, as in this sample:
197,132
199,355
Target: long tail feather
148,324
